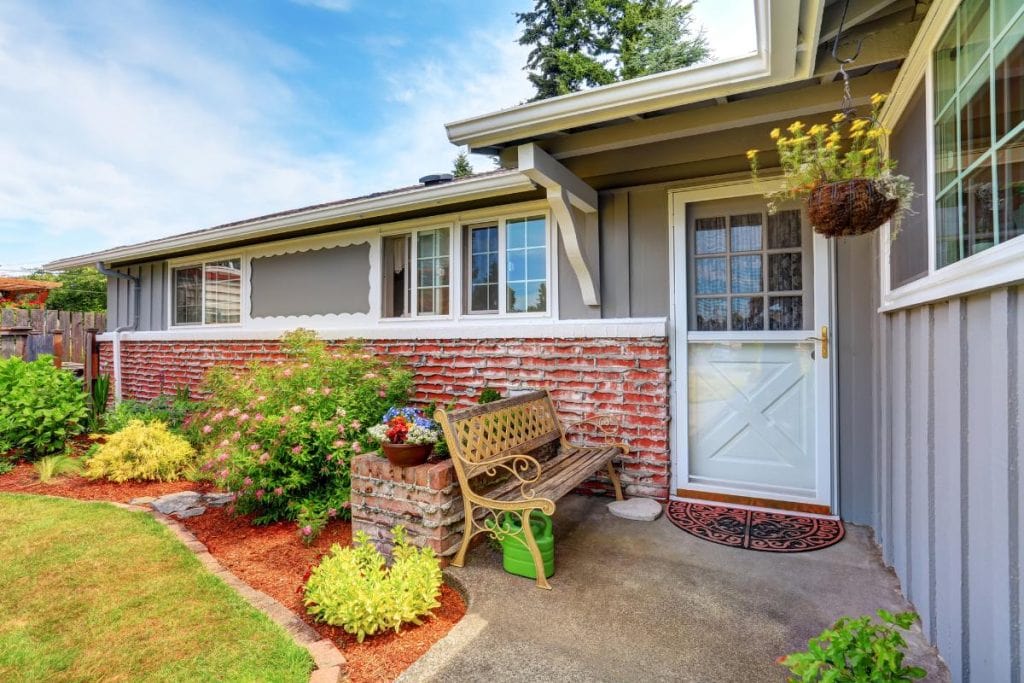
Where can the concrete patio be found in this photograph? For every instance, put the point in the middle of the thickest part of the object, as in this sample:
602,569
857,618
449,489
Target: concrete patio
641,601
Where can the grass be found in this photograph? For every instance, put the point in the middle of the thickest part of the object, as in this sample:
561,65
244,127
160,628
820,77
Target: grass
54,466
92,592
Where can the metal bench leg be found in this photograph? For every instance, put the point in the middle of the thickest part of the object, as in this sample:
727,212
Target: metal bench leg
531,544
614,476
467,534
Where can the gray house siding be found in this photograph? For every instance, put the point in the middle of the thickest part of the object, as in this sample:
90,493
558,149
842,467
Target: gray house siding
319,282
948,487
153,294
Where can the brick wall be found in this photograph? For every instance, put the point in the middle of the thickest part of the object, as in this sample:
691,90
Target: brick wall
625,377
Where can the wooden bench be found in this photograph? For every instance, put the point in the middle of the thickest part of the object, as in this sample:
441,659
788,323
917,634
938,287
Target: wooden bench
490,446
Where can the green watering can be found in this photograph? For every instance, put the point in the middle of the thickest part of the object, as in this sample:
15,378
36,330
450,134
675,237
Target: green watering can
516,556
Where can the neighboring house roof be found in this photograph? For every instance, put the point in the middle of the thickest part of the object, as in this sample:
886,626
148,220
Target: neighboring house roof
20,285
378,204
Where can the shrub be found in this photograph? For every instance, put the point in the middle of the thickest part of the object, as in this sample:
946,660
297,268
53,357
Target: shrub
281,435
353,588
6,465
171,410
141,451
53,466
41,406
857,650
489,395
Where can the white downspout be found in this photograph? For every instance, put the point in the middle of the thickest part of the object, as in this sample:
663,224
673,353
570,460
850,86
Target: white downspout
137,285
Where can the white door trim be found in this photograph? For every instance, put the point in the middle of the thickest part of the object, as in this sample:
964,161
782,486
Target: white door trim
826,483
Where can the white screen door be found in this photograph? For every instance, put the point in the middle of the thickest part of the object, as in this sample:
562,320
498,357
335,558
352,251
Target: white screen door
752,296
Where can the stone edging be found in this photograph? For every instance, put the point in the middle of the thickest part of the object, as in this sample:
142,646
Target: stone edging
330,662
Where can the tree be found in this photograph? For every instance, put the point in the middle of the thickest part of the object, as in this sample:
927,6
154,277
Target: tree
586,43
461,167
83,289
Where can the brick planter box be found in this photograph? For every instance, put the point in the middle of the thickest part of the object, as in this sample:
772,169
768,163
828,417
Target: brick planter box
424,499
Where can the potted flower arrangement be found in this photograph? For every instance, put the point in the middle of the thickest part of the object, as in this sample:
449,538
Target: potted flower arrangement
406,436
841,173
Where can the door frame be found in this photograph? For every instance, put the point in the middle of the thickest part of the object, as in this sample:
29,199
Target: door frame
826,477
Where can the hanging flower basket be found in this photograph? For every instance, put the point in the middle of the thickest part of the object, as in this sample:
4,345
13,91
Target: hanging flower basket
849,207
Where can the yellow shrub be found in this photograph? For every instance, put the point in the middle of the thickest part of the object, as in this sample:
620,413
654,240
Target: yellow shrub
142,450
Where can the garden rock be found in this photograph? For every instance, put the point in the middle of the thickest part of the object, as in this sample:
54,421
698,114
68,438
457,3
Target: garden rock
217,500
144,500
638,509
191,512
175,503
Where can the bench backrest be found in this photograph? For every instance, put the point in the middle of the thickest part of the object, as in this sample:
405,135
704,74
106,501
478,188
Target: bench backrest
510,426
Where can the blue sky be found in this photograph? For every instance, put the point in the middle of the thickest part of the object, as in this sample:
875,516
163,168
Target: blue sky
123,121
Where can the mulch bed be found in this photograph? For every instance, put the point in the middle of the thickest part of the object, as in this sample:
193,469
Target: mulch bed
271,559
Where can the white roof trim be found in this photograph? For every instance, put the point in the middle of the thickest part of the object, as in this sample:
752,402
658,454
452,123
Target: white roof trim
775,61
415,198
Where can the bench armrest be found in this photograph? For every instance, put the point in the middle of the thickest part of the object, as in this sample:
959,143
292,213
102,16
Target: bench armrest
606,424
524,468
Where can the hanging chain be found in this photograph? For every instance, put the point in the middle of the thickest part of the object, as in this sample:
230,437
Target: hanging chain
847,105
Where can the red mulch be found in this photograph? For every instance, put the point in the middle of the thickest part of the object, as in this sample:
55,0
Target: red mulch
271,559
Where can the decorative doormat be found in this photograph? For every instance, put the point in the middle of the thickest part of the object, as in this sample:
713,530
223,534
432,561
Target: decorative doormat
773,532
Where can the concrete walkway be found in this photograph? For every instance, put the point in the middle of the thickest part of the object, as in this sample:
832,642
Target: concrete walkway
644,601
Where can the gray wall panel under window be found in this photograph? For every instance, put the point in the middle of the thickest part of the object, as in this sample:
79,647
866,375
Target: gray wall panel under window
648,253
908,146
318,282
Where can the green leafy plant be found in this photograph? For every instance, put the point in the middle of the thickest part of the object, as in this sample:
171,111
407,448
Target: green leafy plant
489,395
856,650
846,148
41,407
355,589
146,451
171,410
6,465
281,434
98,400
54,466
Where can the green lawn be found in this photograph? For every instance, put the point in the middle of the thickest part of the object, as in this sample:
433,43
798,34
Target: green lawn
92,592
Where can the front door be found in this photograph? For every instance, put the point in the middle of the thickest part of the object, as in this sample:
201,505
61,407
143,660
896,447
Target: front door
752,319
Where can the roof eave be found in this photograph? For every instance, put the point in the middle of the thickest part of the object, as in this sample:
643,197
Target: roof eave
372,207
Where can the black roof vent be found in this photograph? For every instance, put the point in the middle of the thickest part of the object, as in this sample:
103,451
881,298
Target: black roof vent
437,179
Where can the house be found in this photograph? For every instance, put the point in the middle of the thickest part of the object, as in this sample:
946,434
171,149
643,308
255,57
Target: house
623,258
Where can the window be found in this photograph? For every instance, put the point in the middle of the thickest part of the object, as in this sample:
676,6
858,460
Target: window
507,259
978,76
416,271
748,273
208,293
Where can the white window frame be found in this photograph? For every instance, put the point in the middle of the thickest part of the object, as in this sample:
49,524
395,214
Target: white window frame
412,286
998,265
501,221
191,262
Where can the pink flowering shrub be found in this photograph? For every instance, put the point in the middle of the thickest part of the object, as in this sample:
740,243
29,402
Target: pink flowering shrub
280,435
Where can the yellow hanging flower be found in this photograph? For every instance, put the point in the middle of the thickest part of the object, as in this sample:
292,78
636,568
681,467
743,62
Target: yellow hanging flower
869,151
831,146
875,133
751,154
856,134
817,128
877,99
858,124
795,127
774,135
839,117
834,137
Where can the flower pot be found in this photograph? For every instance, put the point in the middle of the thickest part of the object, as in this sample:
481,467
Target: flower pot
407,454
850,207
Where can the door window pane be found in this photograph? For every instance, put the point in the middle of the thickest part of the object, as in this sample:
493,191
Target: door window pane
745,232
785,272
784,230
711,315
223,281
785,313
188,295
709,235
746,274
747,313
710,275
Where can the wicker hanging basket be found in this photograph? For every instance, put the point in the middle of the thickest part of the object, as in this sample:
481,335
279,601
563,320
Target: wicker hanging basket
850,207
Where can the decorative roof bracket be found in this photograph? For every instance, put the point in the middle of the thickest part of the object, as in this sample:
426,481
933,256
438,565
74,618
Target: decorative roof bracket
574,205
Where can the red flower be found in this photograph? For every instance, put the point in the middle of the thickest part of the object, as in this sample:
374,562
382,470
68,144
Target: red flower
398,429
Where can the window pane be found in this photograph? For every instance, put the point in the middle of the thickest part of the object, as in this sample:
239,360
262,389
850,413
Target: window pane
188,295
947,229
709,235
536,233
1011,188
432,271
526,265
710,275
515,234
1004,11
536,264
947,152
785,313
747,313
976,205
395,268
516,264
746,274
974,34
745,232
1009,56
516,298
975,117
945,66
711,315
537,297
484,275
784,230
223,292
785,272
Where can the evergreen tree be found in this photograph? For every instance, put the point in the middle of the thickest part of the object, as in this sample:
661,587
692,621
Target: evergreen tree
585,43
461,167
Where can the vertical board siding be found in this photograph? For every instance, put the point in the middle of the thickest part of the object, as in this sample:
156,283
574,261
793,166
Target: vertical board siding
948,480
152,297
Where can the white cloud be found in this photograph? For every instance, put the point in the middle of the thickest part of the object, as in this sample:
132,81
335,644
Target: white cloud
166,126
329,5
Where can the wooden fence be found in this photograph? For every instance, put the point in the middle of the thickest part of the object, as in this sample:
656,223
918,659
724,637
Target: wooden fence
29,333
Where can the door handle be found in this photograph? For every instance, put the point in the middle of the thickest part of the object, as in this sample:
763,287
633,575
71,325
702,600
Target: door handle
823,340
